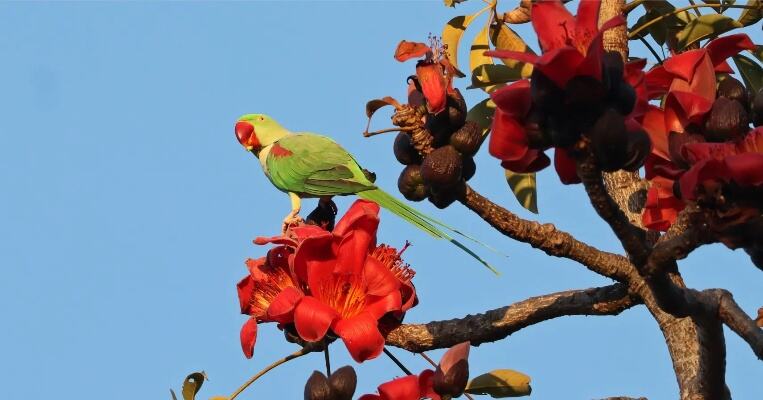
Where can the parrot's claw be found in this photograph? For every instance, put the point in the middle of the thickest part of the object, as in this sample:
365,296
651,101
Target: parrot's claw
291,219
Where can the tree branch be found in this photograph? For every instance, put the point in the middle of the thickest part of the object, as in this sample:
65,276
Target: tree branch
497,324
546,237
736,319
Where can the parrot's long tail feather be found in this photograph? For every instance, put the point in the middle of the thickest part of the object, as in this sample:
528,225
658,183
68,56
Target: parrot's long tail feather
421,221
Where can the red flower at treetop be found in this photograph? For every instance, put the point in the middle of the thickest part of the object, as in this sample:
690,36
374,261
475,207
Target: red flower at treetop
434,73
343,281
571,44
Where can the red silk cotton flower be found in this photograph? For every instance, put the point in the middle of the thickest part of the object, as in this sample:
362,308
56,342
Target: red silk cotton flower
434,73
342,281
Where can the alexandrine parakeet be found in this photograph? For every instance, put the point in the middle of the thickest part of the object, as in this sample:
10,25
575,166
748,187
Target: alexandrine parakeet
304,164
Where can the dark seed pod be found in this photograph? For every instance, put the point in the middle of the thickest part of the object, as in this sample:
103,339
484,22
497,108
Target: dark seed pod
757,108
583,102
676,142
411,184
443,196
537,136
732,89
405,153
439,126
544,92
625,98
637,149
442,166
609,140
343,382
469,167
612,73
456,109
468,139
560,131
728,120
317,387
454,381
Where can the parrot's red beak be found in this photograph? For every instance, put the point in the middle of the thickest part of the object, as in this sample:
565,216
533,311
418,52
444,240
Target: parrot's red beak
246,136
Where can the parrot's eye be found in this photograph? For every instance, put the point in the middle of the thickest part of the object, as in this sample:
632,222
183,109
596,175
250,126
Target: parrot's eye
262,118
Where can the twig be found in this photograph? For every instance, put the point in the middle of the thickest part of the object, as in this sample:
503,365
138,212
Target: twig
397,362
265,370
374,133
328,360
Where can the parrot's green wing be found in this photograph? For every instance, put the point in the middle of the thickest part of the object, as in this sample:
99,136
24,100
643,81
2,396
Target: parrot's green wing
314,165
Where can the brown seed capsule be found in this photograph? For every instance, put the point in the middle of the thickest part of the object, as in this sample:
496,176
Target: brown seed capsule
443,196
469,167
317,387
544,92
411,184
583,102
468,139
442,166
676,142
609,140
439,126
728,120
637,149
405,153
453,382
732,89
456,109
343,382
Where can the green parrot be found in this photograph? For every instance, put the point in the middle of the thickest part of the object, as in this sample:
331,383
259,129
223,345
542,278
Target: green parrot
306,165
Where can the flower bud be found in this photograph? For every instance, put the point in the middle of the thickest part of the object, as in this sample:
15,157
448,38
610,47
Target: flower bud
442,166
405,153
411,184
583,101
732,89
609,140
637,149
457,109
676,142
443,196
432,81
469,168
728,120
439,126
468,139
544,92
343,382
453,382
317,387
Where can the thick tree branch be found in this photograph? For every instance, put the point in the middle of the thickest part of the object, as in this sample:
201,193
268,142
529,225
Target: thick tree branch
736,319
546,237
632,238
497,324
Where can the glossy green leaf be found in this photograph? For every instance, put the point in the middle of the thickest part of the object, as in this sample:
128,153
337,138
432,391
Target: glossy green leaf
488,75
500,383
482,114
451,35
750,16
752,73
504,38
476,56
703,27
524,188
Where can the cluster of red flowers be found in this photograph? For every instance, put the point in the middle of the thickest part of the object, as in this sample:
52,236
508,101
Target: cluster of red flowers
314,282
699,144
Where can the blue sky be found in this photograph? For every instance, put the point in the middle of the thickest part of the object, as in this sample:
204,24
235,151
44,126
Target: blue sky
128,207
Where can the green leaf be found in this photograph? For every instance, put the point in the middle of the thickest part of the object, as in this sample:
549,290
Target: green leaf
482,114
758,52
504,38
476,56
488,75
750,16
752,73
524,188
658,30
500,383
452,3
721,4
705,26
192,385
451,35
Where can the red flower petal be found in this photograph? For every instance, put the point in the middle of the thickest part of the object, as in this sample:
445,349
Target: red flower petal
514,55
553,24
426,385
746,169
281,309
514,100
684,64
698,173
359,210
370,397
249,337
508,140
379,280
377,306
653,123
362,337
724,47
561,64
407,50
683,108
591,65
533,161
586,23
433,85
565,167
405,388
752,142
313,253
657,81
245,287
312,318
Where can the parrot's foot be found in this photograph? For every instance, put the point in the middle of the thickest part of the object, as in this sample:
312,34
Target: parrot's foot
292,219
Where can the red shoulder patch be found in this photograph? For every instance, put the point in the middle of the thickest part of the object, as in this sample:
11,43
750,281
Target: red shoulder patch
279,151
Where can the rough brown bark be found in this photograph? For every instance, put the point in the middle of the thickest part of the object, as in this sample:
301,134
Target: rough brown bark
499,323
